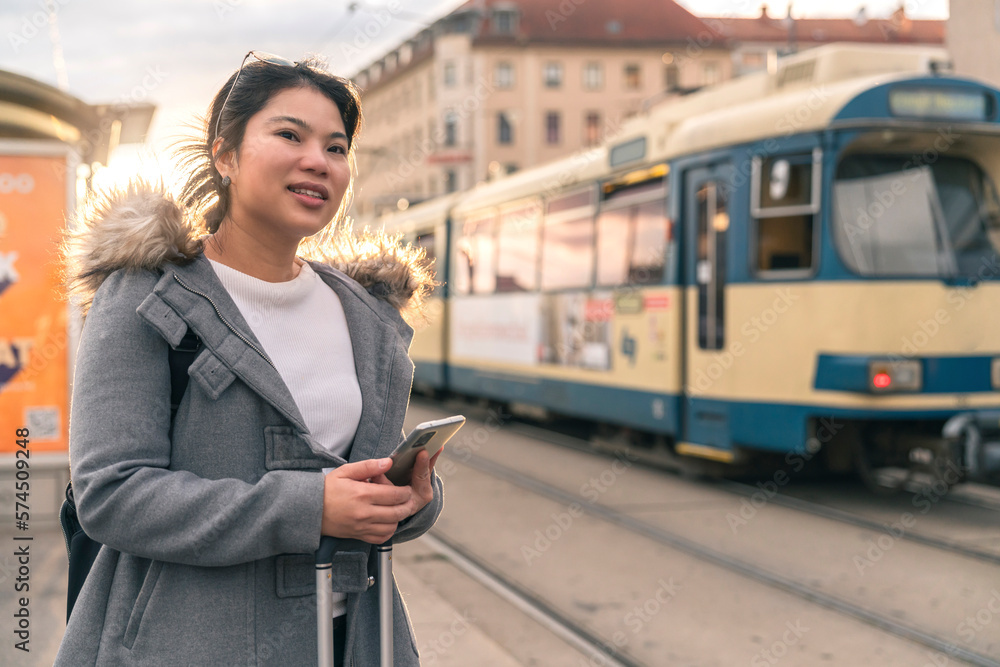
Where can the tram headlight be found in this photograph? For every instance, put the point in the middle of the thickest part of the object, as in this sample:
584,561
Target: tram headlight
892,376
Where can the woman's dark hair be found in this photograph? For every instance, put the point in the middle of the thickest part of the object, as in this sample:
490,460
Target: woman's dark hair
203,193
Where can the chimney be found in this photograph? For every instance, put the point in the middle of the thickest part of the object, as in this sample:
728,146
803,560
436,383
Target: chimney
900,21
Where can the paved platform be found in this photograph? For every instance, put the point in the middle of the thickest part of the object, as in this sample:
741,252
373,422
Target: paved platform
445,635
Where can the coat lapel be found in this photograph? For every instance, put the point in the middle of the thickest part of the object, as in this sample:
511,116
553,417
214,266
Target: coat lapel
374,345
195,293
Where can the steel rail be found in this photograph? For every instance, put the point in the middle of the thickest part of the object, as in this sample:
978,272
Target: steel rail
597,650
723,560
834,514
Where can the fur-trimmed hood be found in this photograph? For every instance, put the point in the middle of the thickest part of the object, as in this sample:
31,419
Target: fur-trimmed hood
143,227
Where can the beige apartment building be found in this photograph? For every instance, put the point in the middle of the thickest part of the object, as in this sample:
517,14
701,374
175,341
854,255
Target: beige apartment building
497,86
974,38
502,85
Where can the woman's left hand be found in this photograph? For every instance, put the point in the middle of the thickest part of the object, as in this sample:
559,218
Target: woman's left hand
420,481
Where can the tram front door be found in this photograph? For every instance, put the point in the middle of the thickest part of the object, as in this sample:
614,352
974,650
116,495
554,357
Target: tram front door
705,213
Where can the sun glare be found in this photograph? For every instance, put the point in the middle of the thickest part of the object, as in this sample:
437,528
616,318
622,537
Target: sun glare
131,163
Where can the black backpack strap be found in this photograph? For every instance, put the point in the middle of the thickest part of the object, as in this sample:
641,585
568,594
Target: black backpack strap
181,359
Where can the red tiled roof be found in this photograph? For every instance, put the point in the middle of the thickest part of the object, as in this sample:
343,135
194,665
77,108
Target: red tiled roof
897,30
594,21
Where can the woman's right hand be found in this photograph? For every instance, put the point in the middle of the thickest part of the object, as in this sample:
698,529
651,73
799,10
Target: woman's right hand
361,504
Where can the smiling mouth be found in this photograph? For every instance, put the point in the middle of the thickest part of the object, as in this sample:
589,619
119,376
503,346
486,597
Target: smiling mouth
309,193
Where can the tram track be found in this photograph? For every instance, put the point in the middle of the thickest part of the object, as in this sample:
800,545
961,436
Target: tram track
798,504
732,563
962,497
597,650
828,512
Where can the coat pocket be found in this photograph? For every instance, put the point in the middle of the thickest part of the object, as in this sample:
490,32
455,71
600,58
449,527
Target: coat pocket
284,450
296,573
139,608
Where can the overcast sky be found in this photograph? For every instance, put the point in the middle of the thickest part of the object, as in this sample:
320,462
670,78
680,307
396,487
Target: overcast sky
177,53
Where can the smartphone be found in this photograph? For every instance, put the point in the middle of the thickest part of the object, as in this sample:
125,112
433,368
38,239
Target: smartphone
430,436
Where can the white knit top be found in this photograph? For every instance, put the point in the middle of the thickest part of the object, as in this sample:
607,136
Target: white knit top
302,327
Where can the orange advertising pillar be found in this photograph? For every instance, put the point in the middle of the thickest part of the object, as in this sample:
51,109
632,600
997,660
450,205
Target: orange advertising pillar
37,183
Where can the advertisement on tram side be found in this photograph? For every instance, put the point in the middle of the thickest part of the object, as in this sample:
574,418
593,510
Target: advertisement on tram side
34,365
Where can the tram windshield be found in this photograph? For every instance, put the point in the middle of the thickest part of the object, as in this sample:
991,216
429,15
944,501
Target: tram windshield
897,218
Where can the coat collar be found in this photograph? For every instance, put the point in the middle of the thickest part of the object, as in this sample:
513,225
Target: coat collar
143,228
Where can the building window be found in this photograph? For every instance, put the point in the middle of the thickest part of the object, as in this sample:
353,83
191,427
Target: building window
633,77
553,75
450,129
710,73
754,61
450,180
503,75
552,127
592,132
505,132
505,21
450,74
593,76
671,77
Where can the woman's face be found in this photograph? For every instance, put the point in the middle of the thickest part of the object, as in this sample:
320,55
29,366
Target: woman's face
292,169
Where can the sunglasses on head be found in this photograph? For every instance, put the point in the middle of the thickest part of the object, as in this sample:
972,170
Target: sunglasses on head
261,56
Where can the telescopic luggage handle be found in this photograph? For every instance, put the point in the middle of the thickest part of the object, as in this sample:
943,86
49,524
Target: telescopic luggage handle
385,602
324,601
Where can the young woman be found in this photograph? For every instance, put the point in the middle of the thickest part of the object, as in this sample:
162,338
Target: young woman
209,520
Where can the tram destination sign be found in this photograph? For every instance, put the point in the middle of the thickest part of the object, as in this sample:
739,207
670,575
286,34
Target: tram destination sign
939,103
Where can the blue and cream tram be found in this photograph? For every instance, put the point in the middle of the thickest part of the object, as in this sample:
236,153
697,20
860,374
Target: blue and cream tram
793,262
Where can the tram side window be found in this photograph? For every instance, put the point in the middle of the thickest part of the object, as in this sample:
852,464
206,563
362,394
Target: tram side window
612,246
785,213
632,244
568,242
649,248
475,269
518,249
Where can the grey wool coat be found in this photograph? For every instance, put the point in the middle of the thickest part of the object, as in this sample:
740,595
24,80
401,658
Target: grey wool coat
209,532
